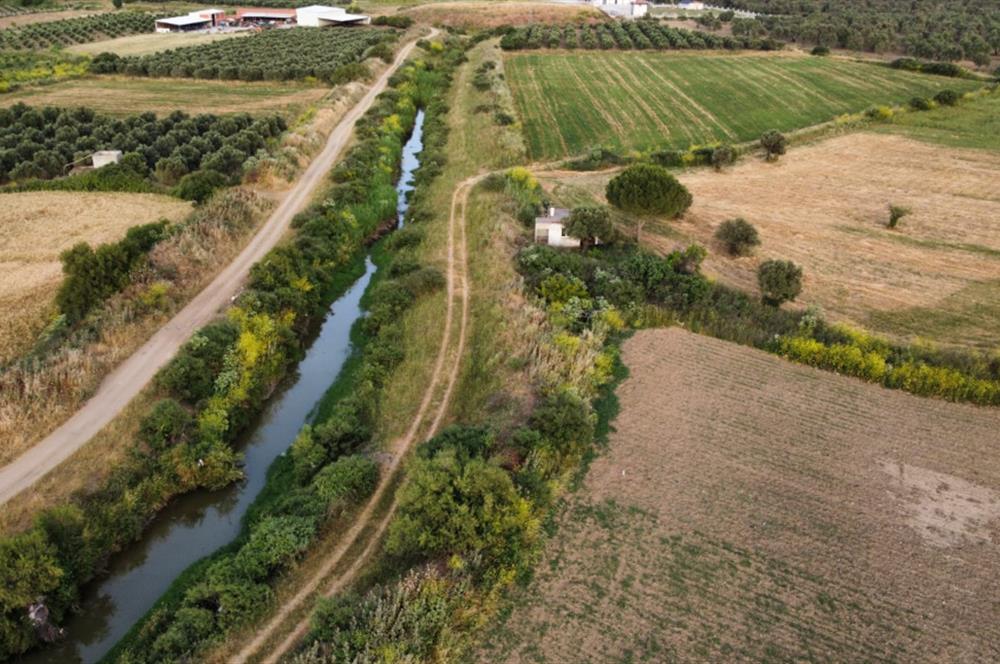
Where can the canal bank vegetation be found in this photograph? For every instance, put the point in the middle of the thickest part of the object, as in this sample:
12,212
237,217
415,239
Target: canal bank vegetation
213,389
313,491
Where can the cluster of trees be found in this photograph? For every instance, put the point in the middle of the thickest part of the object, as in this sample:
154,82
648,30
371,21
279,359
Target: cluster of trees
326,472
956,30
196,153
273,55
641,34
76,30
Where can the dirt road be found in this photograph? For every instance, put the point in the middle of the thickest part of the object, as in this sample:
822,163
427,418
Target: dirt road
125,382
434,404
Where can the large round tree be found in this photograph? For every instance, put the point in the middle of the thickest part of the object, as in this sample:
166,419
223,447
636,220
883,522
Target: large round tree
647,190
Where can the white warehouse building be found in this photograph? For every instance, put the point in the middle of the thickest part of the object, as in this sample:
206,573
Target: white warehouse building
622,8
318,16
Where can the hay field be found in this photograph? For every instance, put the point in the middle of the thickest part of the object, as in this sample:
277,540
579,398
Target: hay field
627,100
35,227
151,42
124,96
752,510
496,14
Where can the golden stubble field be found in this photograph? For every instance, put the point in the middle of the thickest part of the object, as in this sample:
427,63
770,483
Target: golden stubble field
825,207
35,227
750,509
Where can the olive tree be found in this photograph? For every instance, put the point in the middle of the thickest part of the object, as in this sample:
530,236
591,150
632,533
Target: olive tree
779,281
590,224
774,143
647,190
738,236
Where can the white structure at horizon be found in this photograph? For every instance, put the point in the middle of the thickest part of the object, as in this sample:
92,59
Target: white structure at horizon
317,16
196,20
622,8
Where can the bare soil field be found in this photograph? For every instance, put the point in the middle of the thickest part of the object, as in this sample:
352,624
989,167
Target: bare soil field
750,509
495,14
825,206
35,227
123,96
151,43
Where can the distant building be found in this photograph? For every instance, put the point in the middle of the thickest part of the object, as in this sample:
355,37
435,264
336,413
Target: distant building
197,20
691,4
622,8
551,229
105,157
318,16
264,15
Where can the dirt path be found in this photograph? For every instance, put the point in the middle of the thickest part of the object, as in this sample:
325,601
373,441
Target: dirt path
457,288
132,375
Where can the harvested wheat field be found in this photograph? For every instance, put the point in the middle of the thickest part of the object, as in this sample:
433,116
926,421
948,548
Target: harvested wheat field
750,509
496,14
35,227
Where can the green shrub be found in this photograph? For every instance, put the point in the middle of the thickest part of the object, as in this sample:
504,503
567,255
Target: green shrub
738,236
947,98
347,481
167,424
198,186
722,156
92,275
190,375
896,213
820,50
402,22
273,544
774,144
921,104
779,281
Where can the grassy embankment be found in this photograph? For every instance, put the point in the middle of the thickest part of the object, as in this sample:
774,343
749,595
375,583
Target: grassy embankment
571,102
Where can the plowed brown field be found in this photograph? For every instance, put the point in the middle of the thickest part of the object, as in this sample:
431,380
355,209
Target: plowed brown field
749,509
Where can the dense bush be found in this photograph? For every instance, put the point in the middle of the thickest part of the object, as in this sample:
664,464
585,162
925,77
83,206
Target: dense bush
41,143
947,97
590,224
774,144
402,22
779,281
272,55
76,30
91,275
642,34
738,236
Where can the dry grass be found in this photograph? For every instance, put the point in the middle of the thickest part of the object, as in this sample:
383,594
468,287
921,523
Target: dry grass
151,43
36,396
825,207
495,14
124,96
43,17
36,227
750,509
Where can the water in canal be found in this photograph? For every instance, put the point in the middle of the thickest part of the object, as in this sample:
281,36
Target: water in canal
197,524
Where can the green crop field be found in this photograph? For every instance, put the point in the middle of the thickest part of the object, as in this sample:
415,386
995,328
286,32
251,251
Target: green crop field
974,124
638,100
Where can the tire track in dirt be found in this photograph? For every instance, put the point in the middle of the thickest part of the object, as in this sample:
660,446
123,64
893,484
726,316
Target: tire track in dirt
457,286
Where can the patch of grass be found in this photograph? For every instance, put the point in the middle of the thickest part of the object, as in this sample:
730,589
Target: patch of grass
571,102
151,42
971,124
